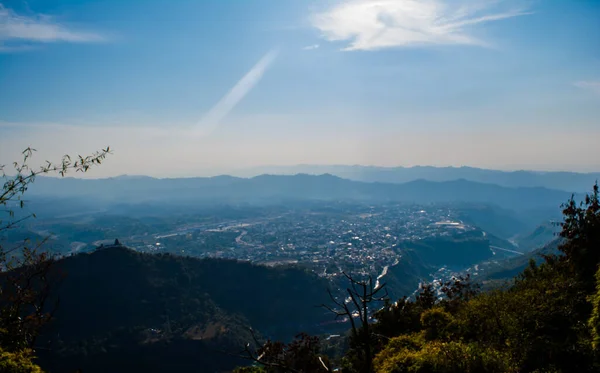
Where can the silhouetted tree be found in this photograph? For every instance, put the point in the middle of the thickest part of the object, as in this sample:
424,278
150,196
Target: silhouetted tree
363,297
299,356
458,290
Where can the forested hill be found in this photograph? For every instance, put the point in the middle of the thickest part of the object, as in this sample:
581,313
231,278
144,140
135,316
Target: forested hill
122,311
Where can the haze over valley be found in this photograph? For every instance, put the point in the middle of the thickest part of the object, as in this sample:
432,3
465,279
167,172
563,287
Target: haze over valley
267,186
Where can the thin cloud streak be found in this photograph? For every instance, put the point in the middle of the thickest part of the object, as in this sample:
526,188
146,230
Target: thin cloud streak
213,118
311,47
17,31
379,24
593,86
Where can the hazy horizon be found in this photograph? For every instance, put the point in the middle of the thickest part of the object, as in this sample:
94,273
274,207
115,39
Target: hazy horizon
311,169
211,87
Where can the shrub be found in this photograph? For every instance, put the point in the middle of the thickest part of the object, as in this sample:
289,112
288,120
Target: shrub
411,354
17,362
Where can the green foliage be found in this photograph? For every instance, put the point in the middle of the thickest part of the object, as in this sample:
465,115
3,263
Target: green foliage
581,229
404,316
436,323
537,323
412,354
594,322
18,362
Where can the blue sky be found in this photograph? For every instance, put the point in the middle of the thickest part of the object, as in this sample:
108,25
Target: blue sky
183,88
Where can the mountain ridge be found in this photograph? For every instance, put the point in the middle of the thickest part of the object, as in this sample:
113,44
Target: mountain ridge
270,188
562,180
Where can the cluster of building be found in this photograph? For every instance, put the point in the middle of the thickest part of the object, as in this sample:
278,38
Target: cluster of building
366,238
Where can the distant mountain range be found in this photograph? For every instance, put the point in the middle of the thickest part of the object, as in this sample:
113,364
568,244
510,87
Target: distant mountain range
568,181
270,189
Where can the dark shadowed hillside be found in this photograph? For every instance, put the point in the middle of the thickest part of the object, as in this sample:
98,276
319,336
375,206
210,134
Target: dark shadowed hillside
508,269
495,220
538,237
168,313
452,252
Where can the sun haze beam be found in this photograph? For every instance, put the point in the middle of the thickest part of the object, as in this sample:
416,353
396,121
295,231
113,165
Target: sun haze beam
213,118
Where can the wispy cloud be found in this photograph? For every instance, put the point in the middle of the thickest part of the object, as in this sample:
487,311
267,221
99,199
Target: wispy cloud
378,24
311,47
214,117
19,32
593,86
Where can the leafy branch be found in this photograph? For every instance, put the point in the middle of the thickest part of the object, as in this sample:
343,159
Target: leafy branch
26,279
